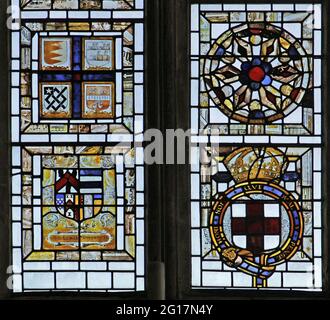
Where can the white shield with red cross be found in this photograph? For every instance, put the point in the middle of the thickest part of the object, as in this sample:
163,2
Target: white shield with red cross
256,225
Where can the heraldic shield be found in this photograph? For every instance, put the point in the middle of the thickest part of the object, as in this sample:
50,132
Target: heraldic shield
80,218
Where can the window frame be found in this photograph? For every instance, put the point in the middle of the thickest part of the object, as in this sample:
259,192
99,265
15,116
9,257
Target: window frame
153,253
179,17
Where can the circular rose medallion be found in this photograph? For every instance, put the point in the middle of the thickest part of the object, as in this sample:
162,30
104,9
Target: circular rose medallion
257,73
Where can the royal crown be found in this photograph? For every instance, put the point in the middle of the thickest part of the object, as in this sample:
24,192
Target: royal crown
256,164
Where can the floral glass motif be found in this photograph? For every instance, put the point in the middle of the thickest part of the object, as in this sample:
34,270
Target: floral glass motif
256,218
77,84
257,73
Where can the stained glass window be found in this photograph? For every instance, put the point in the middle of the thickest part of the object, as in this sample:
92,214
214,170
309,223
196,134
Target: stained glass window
256,178
77,107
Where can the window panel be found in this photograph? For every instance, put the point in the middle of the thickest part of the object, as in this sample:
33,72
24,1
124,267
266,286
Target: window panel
77,180
58,88
240,58
256,86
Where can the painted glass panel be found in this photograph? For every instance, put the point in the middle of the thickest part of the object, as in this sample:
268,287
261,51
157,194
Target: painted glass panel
77,176
256,85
